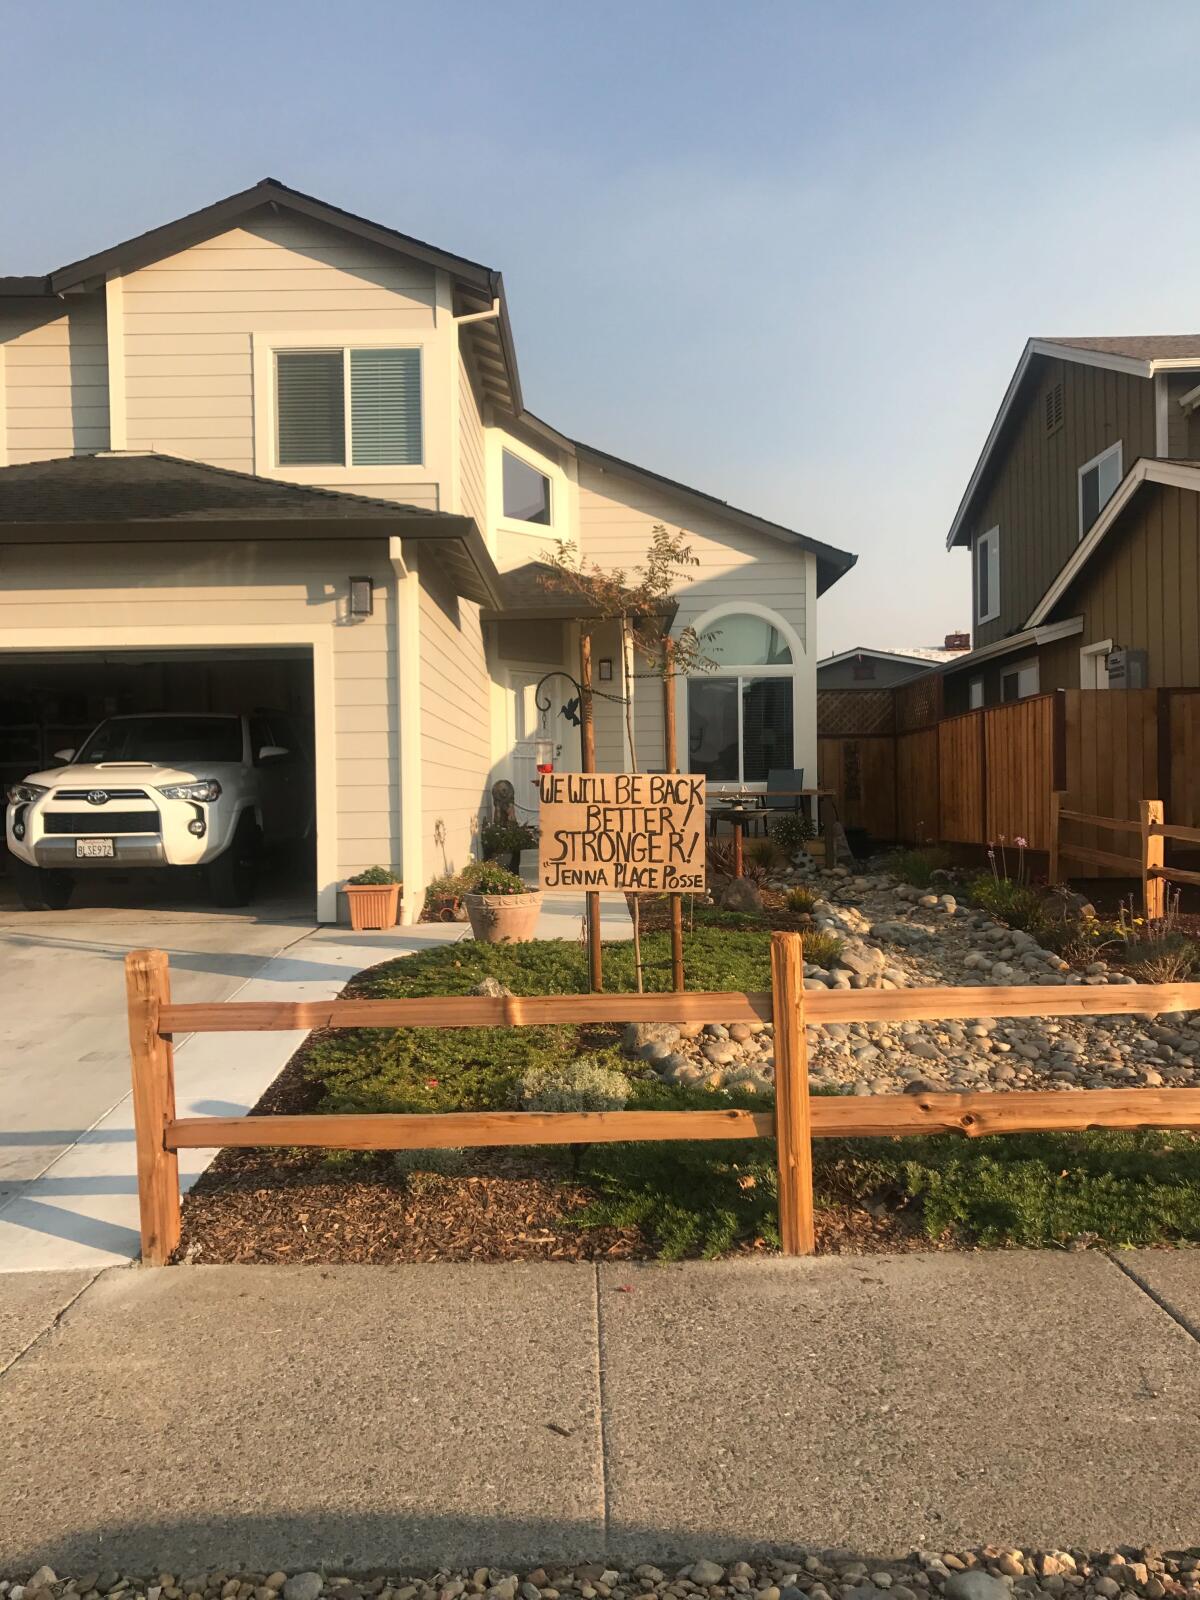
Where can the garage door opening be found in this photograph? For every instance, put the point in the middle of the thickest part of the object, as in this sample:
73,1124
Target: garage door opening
52,702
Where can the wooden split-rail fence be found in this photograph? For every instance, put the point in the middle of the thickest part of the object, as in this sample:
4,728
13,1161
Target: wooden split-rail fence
1149,832
793,1122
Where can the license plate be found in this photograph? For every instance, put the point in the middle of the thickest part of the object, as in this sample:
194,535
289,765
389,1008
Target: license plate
90,849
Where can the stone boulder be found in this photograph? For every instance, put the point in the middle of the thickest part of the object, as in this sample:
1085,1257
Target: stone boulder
742,896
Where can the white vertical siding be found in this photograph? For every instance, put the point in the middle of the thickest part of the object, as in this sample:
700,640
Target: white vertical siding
456,755
55,379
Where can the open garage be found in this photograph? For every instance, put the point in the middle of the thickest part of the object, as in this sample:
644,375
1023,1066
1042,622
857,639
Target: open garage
52,701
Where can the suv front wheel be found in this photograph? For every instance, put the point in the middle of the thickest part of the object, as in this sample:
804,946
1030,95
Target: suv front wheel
42,888
231,876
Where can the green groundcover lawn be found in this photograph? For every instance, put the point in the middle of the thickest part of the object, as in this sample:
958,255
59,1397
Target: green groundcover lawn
1119,1188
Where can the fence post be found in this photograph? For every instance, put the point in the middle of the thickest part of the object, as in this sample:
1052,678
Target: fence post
793,1117
147,987
1153,856
1056,800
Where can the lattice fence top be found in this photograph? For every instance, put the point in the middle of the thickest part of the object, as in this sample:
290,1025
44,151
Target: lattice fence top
848,713
919,703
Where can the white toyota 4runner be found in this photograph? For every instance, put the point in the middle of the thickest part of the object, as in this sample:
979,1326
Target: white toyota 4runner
165,790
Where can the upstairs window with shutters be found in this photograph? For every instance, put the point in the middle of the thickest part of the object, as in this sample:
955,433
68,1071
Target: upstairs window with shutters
350,407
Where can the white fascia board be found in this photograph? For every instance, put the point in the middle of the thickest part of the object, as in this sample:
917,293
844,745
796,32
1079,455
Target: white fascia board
1177,474
879,655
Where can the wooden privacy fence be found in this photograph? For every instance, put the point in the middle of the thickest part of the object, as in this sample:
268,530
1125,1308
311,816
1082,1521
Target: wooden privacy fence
971,778
1147,859
795,1121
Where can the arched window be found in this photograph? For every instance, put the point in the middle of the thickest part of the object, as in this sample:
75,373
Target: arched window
740,713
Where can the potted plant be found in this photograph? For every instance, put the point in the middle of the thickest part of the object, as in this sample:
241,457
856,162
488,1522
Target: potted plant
793,831
502,908
498,839
373,897
443,899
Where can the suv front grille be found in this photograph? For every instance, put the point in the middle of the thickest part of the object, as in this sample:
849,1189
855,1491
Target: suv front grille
100,821
113,794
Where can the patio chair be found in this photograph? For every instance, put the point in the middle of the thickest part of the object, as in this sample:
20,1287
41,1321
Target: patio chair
781,780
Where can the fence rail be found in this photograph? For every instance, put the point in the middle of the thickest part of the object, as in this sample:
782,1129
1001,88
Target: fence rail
1149,864
795,1121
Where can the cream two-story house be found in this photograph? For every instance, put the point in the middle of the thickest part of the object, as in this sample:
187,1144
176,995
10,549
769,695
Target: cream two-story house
272,456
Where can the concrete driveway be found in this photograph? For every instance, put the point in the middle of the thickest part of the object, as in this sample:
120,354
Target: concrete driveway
64,1048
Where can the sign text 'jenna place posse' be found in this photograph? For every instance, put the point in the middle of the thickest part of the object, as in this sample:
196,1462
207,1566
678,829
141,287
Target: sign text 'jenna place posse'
640,831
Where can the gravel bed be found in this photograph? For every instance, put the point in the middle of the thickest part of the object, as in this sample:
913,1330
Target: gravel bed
896,937
992,1572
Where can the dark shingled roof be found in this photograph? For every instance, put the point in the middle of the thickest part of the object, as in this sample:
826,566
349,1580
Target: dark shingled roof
1138,346
134,498
121,487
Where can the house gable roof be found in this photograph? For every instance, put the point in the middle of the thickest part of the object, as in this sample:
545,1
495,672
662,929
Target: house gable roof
1142,356
134,497
1147,469
480,287
921,657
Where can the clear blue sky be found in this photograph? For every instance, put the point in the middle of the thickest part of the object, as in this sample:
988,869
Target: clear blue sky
786,252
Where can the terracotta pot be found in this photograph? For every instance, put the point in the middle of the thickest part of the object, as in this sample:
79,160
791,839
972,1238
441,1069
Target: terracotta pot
504,918
815,848
372,905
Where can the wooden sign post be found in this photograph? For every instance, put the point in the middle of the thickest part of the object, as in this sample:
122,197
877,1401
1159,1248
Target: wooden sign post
640,832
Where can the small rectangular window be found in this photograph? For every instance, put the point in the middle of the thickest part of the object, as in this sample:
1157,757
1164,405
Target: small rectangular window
526,491
1098,480
975,694
310,401
1020,682
987,576
340,407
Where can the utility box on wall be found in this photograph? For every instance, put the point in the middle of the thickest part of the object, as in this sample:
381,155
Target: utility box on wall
1127,669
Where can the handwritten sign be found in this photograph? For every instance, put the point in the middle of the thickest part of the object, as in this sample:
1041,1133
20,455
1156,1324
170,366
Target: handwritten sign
638,831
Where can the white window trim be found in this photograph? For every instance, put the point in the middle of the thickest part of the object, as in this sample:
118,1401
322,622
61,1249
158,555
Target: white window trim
1019,667
795,670
989,541
560,525
1113,449
266,432
1092,661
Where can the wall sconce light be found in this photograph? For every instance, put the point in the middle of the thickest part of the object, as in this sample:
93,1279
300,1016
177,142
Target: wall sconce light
605,669
362,597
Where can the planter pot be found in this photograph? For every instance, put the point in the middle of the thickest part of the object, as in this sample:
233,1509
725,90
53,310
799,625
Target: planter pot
372,905
504,918
815,848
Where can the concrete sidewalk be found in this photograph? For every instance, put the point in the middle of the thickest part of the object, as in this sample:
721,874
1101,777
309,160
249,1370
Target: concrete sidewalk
352,1418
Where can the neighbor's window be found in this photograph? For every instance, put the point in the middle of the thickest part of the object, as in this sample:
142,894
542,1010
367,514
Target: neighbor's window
1020,682
338,408
987,576
740,715
975,694
526,491
1098,479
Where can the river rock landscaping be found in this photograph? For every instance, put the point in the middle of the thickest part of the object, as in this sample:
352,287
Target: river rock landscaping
991,1572
865,930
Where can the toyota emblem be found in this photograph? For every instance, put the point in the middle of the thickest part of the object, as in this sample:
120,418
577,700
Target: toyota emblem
97,797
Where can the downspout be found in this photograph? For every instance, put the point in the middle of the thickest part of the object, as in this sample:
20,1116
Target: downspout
406,639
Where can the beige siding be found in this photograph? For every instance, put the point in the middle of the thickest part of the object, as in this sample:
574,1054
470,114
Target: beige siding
1033,491
112,588
189,321
455,723
609,715
616,517
471,467
55,400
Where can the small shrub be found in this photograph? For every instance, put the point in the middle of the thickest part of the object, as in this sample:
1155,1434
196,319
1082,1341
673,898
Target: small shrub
822,949
1156,960
488,877
1015,903
506,838
446,1163
790,829
801,899
374,876
918,866
764,853
582,1085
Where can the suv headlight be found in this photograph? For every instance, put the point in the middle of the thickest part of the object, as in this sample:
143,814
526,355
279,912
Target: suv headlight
206,789
21,794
